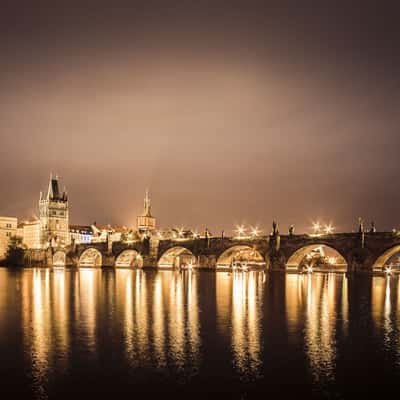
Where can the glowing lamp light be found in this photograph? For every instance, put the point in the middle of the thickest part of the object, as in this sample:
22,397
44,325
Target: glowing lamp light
240,230
329,229
316,226
388,270
255,232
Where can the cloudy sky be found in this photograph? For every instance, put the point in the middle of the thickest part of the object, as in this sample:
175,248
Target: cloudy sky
230,112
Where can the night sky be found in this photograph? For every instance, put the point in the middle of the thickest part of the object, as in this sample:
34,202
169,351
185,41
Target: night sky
230,112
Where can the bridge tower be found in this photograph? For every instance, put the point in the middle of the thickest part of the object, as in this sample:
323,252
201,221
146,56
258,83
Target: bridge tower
54,215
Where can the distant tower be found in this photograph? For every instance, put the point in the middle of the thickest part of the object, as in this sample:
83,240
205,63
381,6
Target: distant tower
146,223
54,215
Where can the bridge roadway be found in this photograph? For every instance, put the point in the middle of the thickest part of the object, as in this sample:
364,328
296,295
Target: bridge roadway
362,252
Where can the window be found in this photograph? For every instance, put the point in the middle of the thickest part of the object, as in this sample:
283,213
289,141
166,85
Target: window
8,234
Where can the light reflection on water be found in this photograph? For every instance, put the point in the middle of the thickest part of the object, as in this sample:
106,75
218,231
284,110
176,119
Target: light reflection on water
169,326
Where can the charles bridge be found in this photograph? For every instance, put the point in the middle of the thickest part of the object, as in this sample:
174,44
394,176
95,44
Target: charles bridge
361,252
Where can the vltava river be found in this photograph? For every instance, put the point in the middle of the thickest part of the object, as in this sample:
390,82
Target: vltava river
65,333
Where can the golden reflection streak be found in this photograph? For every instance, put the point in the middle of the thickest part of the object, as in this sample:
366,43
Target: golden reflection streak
377,301
87,304
158,321
4,278
387,325
238,320
294,300
224,302
246,342
176,320
254,320
124,278
320,325
345,304
60,313
193,316
40,334
142,328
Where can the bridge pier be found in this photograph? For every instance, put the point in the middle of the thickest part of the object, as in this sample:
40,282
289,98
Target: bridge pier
275,261
360,260
108,260
149,261
207,261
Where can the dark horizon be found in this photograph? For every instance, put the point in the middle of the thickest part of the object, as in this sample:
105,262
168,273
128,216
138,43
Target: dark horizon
229,114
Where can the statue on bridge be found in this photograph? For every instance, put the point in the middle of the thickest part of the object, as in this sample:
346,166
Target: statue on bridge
207,236
360,225
291,230
372,228
361,231
275,230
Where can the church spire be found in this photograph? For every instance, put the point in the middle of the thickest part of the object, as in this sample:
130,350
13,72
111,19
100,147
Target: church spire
147,205
146,223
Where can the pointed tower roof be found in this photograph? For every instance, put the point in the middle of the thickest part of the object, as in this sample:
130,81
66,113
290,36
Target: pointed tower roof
53,192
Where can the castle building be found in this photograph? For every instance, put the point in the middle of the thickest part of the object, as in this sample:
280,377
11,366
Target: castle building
54,216
146,223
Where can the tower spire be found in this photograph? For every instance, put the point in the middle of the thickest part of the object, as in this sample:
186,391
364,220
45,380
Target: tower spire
147,204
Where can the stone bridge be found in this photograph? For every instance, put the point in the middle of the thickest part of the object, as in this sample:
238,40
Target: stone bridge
359,252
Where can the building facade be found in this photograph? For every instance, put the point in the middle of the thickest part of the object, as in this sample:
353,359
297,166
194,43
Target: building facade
31,234
8,229
80,234
104,233
54,216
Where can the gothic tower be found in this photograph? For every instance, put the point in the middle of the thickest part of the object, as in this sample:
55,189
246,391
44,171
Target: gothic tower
146,223
54,215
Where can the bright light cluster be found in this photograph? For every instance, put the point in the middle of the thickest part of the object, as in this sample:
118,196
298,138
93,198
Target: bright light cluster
251,232
322,229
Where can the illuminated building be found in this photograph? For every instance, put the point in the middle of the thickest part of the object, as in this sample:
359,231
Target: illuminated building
54,216
8,229
31,236
146,223
102,233
80,234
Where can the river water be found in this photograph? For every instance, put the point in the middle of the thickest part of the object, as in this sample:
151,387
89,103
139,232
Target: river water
68,333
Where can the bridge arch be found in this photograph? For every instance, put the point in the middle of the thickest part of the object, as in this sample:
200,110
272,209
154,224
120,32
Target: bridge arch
177,257
317,256
59,259
129,259
91,257
384,258
241,257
